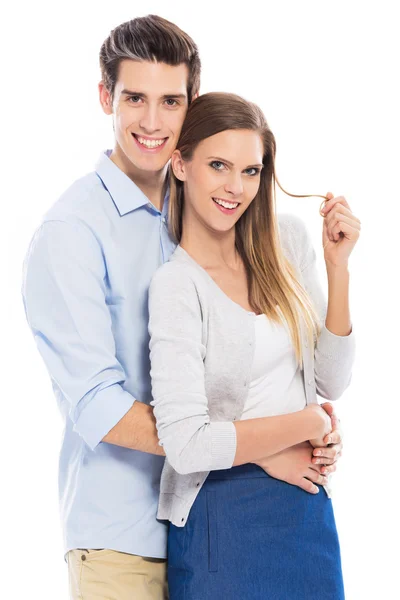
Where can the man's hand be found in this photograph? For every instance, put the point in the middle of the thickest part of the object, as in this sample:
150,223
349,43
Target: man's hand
332,445
294,465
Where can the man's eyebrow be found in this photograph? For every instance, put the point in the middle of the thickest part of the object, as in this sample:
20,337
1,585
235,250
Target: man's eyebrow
228,162
133,93
164,96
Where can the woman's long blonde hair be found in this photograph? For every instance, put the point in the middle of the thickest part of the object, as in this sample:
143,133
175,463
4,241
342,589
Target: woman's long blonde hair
271,278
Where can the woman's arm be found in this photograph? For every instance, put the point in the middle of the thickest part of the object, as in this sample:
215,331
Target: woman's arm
335,348
191,442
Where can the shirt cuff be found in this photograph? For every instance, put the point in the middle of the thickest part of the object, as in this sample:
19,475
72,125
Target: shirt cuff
102,413
336,347
223,445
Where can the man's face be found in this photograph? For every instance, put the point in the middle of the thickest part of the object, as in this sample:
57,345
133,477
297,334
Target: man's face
149,106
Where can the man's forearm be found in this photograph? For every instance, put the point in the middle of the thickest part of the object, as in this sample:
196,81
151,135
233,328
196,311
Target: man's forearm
136,430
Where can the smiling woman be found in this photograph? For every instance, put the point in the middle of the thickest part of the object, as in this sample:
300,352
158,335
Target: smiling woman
239,349
224,169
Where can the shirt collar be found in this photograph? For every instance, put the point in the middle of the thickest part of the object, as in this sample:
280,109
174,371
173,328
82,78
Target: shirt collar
124,192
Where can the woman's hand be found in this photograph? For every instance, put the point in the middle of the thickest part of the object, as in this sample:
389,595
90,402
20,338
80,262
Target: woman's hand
341,230
294,465
322,422
323,440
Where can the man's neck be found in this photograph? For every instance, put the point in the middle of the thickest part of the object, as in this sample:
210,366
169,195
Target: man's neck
152,183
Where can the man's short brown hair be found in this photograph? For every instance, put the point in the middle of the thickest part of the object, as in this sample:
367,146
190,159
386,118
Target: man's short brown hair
149,38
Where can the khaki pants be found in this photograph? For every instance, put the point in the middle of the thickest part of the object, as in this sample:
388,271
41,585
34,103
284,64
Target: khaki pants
110,575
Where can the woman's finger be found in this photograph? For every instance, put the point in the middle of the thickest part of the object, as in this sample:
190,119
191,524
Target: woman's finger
340,218
351,233
331,203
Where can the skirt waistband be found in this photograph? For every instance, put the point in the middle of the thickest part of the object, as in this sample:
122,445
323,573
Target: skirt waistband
247,471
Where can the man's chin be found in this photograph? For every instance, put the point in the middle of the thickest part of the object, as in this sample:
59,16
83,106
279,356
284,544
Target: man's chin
147,164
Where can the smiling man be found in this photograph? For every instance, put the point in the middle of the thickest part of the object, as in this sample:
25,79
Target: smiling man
86,280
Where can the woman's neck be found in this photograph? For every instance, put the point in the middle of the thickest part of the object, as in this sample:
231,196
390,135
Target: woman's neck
210,250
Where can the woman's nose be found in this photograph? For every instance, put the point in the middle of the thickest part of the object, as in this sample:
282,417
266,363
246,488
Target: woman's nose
234,185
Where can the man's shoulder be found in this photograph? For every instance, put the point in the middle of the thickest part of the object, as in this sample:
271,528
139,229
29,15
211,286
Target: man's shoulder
81,200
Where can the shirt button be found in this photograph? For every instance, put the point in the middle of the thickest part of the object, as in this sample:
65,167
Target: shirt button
309,381
306,344
83,557
164,220
183,518
197,484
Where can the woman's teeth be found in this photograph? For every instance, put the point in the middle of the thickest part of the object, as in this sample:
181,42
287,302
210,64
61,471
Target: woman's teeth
150,143
226,204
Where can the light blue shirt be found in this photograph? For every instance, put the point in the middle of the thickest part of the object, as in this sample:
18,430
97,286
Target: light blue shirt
86,279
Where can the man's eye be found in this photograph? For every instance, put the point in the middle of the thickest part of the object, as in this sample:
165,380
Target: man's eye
135,99
171,102
217,165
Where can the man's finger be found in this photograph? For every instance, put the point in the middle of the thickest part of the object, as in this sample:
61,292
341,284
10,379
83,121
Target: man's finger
328,469
328,408
334,437
334,422
325,454
307,486
316,477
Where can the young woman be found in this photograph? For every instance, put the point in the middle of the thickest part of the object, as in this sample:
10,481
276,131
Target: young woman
241,342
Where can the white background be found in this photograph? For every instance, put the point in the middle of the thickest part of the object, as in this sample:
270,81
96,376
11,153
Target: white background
326,75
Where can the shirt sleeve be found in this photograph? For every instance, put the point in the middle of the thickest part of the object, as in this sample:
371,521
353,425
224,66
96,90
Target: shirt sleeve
64,294
192,443
333,354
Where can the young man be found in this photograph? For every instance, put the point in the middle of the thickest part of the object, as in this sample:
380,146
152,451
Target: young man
85,290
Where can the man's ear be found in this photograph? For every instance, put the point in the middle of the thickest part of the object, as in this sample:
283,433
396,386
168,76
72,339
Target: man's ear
105,98
178,165
195,96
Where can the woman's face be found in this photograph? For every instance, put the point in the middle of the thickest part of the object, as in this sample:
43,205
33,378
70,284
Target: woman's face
222,178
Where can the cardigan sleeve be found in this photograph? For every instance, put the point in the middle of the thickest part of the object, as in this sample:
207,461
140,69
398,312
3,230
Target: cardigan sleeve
191,442
333,354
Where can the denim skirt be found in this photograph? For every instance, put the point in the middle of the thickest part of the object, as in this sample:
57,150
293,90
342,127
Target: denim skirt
250,536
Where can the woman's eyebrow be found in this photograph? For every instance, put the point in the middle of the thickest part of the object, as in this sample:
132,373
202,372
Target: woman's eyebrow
228,162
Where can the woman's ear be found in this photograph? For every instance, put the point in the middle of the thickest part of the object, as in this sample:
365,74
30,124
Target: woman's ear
178,165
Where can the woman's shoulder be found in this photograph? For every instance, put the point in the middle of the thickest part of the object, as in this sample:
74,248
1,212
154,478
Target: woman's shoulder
179,272
291,225
295,238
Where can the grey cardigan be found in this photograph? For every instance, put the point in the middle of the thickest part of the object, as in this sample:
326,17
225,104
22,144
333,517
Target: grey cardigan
201,350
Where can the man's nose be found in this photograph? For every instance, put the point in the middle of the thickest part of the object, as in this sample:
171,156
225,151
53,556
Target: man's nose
151,120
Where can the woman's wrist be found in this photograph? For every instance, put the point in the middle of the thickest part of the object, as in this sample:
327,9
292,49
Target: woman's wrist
312,421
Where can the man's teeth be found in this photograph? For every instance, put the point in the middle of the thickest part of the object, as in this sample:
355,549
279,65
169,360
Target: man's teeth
150,143
226,204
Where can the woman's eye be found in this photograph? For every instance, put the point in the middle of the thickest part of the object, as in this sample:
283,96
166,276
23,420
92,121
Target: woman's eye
217,165
252,171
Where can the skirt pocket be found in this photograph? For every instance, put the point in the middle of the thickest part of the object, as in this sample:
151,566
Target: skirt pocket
212,526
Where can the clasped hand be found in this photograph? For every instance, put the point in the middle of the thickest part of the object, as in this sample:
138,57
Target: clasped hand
308,464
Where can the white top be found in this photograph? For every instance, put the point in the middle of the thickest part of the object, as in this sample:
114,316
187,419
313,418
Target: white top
201,350
277,384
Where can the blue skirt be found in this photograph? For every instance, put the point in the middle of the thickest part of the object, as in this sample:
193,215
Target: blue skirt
252,537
